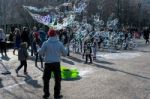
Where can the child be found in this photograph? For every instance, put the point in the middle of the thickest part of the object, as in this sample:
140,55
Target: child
22,57
88,51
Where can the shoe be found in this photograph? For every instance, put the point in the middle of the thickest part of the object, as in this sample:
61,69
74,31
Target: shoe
58,97
46,96
26,73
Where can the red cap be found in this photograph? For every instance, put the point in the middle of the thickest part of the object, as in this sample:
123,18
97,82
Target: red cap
51,33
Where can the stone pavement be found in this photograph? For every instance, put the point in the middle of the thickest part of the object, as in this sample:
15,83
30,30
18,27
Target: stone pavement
120,75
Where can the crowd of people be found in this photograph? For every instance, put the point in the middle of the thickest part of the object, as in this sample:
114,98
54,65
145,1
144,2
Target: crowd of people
78,41
48,47
42,44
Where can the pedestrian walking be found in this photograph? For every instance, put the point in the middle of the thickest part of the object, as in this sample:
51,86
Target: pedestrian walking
17,40
22,57
37,43
31,38
52,50
88,52
25,35
3,42
146,35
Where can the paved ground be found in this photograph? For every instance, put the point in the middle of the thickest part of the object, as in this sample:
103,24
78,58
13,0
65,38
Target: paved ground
120,75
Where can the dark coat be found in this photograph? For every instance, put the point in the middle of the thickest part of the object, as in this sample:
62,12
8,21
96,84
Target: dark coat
22,54
25,36
146,34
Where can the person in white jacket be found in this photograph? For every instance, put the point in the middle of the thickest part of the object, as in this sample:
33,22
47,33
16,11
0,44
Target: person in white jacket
3,42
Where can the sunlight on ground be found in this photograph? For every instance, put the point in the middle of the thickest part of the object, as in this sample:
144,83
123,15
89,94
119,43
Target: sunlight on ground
122,55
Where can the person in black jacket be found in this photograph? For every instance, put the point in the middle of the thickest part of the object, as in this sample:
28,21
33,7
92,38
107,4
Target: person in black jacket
3,42
25,35
146,35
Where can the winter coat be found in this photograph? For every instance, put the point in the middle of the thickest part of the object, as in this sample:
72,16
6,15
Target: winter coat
22,53
52,50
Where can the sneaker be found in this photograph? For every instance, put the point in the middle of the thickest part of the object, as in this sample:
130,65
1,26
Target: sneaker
58,97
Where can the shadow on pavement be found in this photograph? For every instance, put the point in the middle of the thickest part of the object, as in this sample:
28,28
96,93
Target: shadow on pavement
80,60
41,69
12,94
75,59
122,71
5,71
5,58
103,62
78,78
7,91
67,61
1,85
104,67
30,81
21,76
145,51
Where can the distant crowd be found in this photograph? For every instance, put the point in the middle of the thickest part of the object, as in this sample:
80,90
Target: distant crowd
87,47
